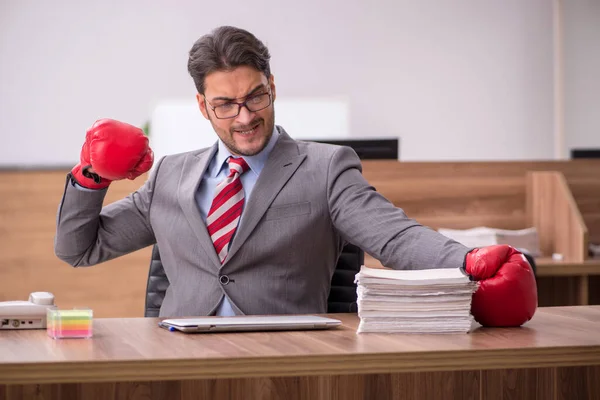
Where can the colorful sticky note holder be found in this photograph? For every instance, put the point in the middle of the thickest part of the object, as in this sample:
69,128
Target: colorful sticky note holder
75,323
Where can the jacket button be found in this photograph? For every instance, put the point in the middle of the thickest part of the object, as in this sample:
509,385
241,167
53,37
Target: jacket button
224,279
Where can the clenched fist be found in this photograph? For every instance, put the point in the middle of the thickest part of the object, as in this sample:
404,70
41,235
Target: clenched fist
507,293
113,150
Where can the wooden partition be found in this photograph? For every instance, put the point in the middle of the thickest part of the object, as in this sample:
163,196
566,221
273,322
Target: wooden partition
466,194
495,194
552,209
452,195
28,205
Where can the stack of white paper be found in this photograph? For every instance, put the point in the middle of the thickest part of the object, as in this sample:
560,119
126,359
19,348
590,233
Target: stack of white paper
420,301
523,239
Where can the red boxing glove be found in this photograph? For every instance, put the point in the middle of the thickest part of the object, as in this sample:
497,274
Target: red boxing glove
507,293
113,150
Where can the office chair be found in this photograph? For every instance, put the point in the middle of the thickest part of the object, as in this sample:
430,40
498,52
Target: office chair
342,296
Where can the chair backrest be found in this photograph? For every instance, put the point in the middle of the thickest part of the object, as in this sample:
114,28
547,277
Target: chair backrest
342,296
156,286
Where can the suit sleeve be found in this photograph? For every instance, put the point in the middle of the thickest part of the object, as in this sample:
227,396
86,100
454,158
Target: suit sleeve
367,219
88,234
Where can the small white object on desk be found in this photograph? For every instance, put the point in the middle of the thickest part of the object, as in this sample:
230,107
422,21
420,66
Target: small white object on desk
42,298
29,314
594,250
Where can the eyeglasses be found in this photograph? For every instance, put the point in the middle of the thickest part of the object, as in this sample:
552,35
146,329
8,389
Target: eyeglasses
232,109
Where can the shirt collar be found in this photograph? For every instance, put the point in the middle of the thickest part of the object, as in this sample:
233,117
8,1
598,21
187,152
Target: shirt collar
255,162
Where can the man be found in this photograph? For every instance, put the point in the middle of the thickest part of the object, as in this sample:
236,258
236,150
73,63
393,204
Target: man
255,224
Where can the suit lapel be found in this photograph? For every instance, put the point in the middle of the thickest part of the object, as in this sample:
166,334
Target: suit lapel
282,163
193,169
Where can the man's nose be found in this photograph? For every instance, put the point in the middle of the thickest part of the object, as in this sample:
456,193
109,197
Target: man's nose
245,116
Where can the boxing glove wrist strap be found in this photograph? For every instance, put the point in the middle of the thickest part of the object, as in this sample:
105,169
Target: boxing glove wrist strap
87,179
90,175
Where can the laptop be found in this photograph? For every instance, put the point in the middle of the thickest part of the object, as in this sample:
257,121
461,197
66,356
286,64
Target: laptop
243,323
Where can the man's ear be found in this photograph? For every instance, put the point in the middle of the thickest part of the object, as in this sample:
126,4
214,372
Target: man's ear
272,85
202,105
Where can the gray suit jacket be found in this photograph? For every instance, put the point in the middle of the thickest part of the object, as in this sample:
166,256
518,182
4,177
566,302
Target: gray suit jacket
308,201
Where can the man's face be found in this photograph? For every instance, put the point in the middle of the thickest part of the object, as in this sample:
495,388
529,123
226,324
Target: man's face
249,132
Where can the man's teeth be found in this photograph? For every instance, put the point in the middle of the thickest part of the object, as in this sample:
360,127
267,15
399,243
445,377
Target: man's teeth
247,132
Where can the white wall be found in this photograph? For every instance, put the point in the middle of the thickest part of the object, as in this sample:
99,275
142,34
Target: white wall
455,79
582,73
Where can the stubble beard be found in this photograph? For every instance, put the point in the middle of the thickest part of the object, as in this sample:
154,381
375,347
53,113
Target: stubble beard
227,137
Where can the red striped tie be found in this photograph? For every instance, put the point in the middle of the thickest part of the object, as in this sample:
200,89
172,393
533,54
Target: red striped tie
226,208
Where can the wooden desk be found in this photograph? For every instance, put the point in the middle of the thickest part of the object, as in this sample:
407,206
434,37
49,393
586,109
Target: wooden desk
554,356
549,267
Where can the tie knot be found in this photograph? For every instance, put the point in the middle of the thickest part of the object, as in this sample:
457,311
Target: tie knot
237,165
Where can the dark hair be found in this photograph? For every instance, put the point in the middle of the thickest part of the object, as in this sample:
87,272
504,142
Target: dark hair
225,49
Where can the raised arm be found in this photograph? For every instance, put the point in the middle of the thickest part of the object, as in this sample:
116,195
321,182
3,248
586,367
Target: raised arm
86,233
